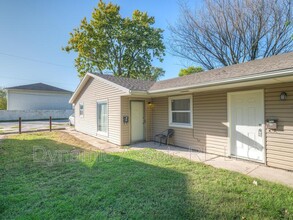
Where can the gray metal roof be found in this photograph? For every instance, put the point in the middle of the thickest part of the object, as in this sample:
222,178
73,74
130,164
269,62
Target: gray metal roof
39,87
132,84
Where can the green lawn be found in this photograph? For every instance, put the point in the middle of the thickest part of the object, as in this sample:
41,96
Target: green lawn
54,176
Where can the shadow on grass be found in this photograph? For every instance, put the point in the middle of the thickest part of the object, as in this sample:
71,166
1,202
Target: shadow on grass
42,178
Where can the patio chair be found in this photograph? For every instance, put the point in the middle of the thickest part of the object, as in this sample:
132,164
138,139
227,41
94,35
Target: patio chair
164,136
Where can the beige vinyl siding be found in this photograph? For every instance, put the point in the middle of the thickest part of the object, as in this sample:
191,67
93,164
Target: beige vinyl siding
280,142
93,91
149,112
125,127
210,123
125,111
160,122
209,134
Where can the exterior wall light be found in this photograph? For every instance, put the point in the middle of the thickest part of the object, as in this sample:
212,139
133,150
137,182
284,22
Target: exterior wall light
150,105
283,96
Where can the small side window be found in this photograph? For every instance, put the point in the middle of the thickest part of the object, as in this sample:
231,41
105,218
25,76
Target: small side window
180,111
81,110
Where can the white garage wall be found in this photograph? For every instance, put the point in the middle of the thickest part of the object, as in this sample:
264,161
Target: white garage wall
37,100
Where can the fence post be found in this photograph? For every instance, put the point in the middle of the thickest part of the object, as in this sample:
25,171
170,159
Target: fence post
19,125
50,123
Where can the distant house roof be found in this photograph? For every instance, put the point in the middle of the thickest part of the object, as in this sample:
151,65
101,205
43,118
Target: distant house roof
38,87
132,84
266,65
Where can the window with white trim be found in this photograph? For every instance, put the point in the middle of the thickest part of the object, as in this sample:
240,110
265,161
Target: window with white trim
102,117
81,110
180,111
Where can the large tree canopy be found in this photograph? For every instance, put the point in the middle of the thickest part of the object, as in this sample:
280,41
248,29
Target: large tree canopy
124,46
226,32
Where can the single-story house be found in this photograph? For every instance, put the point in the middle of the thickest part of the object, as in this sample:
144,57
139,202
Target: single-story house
244,110
38,96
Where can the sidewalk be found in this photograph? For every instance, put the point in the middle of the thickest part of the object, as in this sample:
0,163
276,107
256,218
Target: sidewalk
248,168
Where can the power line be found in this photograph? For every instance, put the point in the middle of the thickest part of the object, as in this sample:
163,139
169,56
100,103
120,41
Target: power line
33,81
34,60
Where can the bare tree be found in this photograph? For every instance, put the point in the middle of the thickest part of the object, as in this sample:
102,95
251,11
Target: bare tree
226,32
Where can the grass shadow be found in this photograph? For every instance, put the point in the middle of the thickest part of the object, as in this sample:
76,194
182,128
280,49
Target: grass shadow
52,177
47,179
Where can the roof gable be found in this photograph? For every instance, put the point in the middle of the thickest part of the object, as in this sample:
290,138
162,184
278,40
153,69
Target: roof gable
104,78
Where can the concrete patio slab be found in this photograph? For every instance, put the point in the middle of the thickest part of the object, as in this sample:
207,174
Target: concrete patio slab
175,151
274,175
252,169
233,164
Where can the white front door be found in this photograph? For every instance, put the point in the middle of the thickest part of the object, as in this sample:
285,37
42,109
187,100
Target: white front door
246,119
137,121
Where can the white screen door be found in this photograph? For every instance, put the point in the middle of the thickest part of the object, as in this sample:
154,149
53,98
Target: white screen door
247,124
137,121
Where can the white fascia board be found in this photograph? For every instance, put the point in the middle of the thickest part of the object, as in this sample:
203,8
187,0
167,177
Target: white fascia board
78,89
138,92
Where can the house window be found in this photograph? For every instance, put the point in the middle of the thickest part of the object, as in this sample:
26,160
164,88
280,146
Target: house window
81,110
180,111
102,112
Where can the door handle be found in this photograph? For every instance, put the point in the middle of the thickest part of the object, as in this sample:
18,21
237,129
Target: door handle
260,132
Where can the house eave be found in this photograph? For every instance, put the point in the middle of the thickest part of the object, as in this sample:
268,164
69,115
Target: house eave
138,92
254,77
250,79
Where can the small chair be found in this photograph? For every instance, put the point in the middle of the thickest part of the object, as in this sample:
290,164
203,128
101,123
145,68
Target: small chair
164,136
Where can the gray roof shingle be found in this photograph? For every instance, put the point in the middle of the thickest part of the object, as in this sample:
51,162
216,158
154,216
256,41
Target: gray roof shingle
132,84
261,66
39,87
266,65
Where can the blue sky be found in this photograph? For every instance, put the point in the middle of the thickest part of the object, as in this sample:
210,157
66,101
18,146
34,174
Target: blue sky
34,31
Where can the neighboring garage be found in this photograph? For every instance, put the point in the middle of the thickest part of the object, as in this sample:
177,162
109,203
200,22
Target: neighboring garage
38,96
37,101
